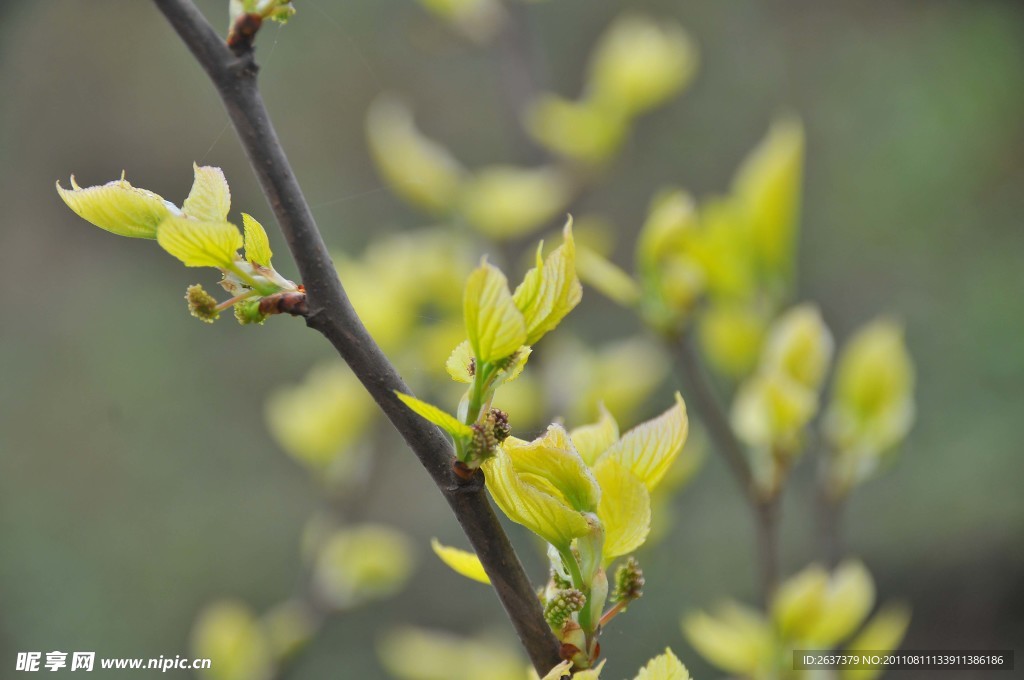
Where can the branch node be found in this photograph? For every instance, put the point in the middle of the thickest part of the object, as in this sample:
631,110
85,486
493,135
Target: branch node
243,33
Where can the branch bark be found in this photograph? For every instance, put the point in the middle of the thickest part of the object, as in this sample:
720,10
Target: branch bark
331,313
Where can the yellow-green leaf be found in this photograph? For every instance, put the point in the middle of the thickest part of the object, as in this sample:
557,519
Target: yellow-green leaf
550,290
551,461
738,640
594,439
229,632
117,207
210,198
883,633
445,421
539,511
649,448
418,169
504,202
671,224
624,510
799,602
767,186
460,362
771,409
872,405
604,275
494,324
516,369
200,244
461,359
583,130
558,672
799,345
851,595
591,673
639,63
461,561
257,245
666,666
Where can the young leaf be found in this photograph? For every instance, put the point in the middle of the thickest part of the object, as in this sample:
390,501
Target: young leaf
649,448
544,514
607,277
257,245
117,207
418,169
446,422
664,667
624,510
767,186
550,290
495,326
639,63
461,364
851,595
551,461
593,440
799,345
210,197
558,672
461,561
200,244
504,202
738,640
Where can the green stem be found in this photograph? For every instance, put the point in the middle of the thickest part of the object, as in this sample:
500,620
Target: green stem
569,560
238,298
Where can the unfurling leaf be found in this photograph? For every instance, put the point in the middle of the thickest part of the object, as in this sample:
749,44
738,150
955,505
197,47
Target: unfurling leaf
550,290
767,188
537,507
799,345
118,207
494,324
200,244
210,197
257,245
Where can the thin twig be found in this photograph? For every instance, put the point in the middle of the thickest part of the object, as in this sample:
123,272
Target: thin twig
331,313
712,413
830,525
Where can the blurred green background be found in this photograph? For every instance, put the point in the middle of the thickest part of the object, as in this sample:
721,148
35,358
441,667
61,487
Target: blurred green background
137,480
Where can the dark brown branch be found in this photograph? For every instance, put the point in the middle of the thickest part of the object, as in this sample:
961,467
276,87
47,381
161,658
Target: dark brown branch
711,412
331,313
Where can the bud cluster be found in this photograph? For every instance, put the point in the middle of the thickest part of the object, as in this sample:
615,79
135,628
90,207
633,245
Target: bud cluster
562,605
629,582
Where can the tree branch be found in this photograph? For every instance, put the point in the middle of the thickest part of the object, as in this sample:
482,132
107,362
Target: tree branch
331,313
712,414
